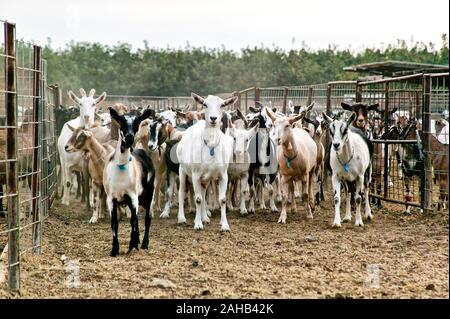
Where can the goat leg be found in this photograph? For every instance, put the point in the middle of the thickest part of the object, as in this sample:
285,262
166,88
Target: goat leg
112,206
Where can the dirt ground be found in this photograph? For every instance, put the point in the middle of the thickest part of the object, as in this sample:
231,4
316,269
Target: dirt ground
394,256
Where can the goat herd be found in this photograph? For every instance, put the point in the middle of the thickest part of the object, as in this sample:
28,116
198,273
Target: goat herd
126,157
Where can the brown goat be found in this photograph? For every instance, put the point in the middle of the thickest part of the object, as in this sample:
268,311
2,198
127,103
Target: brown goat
85,141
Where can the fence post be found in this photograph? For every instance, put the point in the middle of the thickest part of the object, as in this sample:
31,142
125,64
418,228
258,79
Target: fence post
285,96
237,105
386,146
358,93
310,95
327,136
427,191
11,150
246,102
257,94
37,102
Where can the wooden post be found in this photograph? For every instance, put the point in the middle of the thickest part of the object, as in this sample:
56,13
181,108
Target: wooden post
238,101
329,92
427,191
37,100
285,97
329,111
310,95
11,165
386,146
358,93
246,102
257,94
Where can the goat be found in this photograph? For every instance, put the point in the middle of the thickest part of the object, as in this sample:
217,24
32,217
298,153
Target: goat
238,168
75,161
263,159
128,180
85,141
152,137
362,113
297,158
350,161
204,153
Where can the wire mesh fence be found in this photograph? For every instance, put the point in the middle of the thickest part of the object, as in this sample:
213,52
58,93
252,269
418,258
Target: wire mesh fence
27,150
159,103
436,104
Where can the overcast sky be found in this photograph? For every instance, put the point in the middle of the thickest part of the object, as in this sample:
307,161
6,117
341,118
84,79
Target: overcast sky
232,23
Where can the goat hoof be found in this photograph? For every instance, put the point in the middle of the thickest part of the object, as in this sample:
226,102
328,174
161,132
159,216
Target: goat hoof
225,227
182,220
164,215
347,219
198,226
114,252
282,220
93,220
144,245
206,220
244,211
359,224
336,225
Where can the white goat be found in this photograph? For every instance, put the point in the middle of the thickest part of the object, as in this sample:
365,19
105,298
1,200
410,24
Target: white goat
204,153
71,162
238,168
350,161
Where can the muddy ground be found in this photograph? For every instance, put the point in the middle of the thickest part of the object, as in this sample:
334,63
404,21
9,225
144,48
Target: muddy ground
257,259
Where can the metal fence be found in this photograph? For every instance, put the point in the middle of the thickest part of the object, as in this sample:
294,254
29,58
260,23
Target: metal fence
404,95
27,150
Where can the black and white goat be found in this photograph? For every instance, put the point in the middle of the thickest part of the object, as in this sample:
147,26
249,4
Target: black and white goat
128,179
350,161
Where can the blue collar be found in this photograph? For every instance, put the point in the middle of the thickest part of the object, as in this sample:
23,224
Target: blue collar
123,167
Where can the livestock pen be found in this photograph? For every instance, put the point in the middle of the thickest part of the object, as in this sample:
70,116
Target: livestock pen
49,250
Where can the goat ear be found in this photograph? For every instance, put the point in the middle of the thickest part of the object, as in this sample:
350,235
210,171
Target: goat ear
291,107
373,107
197,98
73,97
242,117
181,114
82,92
101,98
70,127
146,114
310,107
229,101
297,118
393,110
253,109
326,118
271,114
92,93
346,106
115,115
351,119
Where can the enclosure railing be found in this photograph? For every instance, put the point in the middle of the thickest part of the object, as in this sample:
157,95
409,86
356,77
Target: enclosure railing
27,150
